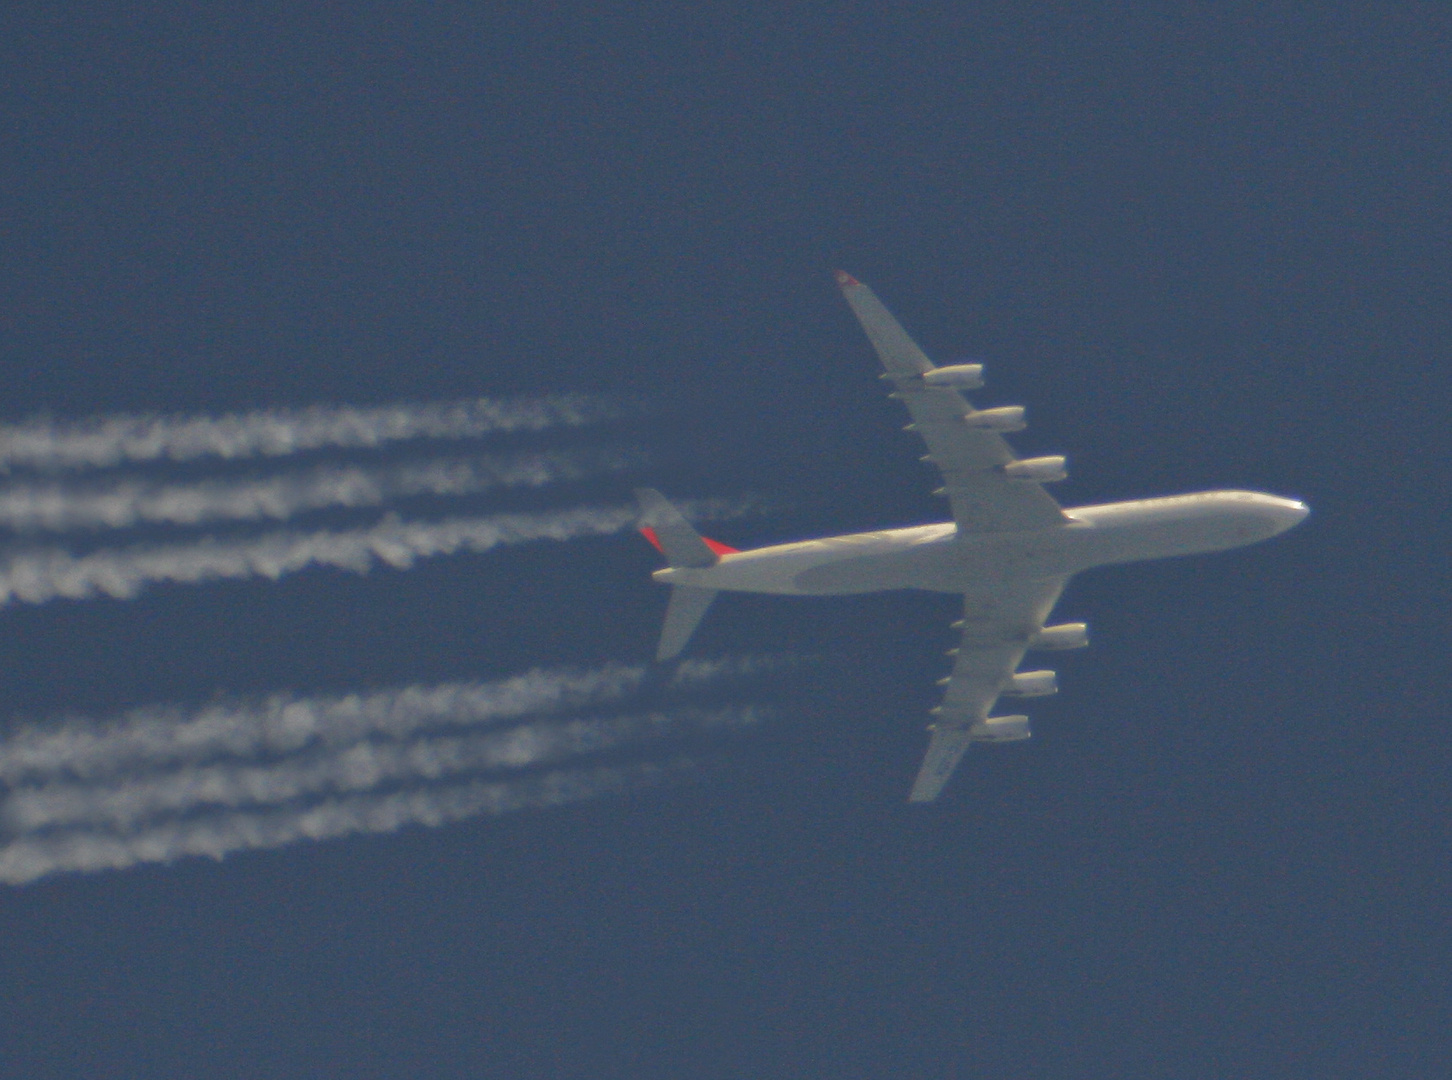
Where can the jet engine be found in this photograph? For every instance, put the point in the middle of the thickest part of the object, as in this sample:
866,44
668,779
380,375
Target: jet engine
1008,418
1040,470
955,377
1072,635
1000,729
1032,684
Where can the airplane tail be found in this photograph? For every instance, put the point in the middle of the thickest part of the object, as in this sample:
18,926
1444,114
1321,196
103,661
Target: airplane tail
662,524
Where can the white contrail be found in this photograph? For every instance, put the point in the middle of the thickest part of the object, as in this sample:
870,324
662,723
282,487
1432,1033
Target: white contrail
125,503
104,441
38,575
131,802
692,670
35,576
159,736
155,736
158,783
219,834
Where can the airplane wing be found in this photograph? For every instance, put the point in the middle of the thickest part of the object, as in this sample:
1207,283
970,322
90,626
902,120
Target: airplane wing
982,496
999,623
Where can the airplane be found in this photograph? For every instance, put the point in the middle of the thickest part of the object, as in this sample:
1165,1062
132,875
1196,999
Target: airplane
1009,550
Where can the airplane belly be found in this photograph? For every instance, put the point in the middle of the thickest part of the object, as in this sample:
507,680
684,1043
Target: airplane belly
951,563
938,558
913,558
1176,525
936,568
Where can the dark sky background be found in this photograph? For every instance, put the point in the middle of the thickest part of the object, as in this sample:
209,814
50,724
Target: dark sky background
1205,244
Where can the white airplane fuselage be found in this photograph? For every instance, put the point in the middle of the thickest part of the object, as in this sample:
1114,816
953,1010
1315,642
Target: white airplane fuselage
940,559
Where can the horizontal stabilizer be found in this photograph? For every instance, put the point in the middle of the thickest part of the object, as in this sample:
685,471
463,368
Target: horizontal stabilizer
664,527
684,613
945,750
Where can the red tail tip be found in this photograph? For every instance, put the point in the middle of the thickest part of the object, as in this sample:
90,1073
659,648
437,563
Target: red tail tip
846,280
718,547
649,533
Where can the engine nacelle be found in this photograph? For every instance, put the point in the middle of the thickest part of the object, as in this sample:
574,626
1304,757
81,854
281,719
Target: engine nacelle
1032,684
955,377
1039,470
1072,635
1008,418
1001,729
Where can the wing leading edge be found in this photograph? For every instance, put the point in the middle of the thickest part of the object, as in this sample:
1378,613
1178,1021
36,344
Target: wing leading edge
1000,624
971,458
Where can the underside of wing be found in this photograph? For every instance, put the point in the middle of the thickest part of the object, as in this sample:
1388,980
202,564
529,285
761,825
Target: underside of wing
999,625
946,747
988,487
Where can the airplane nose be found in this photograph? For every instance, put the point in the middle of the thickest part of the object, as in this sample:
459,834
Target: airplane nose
1290,513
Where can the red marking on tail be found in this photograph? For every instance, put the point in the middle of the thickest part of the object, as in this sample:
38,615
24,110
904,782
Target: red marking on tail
846,280
715,545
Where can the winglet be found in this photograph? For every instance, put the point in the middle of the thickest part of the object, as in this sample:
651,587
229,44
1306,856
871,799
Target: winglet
846,280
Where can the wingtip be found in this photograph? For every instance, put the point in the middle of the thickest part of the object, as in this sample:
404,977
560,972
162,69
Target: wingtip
846,280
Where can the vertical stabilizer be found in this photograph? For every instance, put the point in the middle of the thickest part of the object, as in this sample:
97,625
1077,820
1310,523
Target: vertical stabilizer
664,526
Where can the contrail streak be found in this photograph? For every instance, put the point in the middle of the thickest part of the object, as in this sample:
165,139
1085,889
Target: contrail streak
36,576
692,670
28,507
133,801
156,784
159,736
221,833
104,441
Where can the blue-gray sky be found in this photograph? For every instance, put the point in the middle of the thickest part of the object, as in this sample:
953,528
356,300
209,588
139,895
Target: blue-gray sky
1204,244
